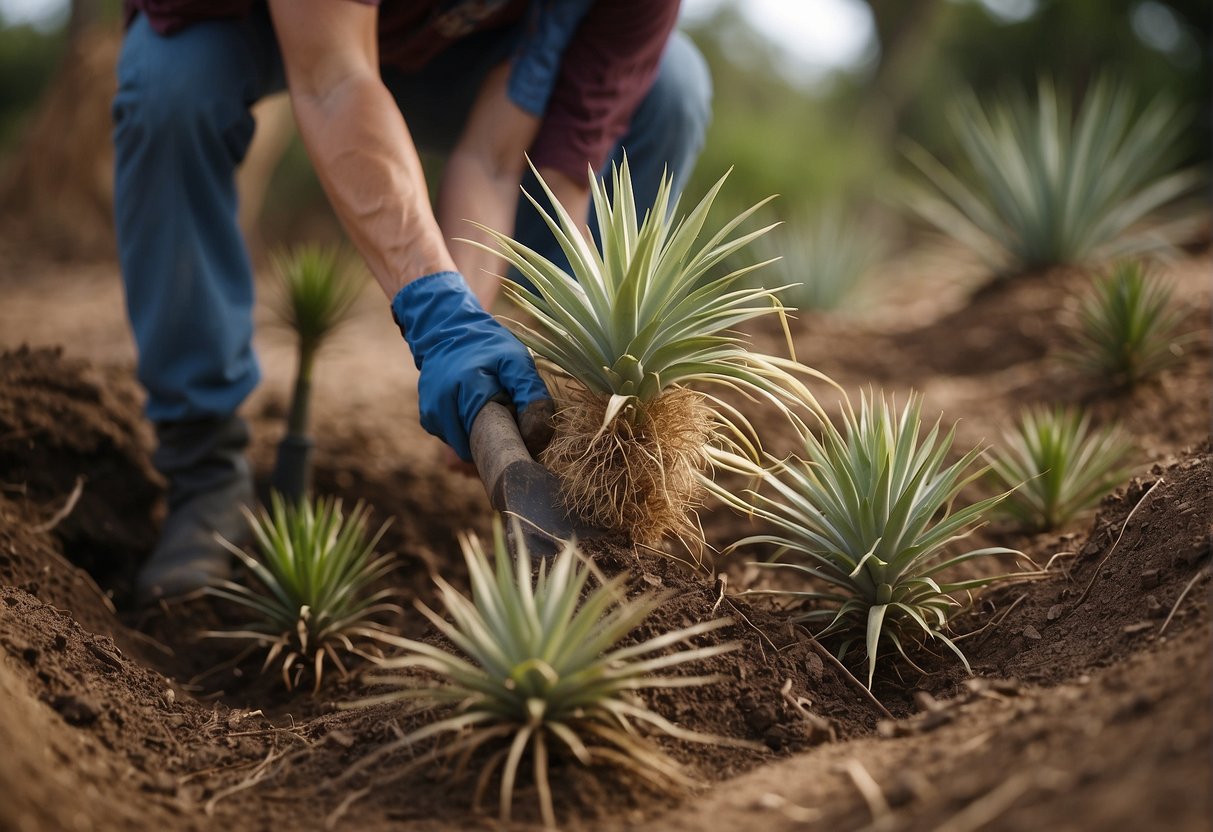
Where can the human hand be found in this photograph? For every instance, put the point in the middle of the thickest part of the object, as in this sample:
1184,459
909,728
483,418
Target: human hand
465,357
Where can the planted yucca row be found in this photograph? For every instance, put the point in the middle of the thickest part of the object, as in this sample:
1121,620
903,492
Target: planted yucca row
313,596
633,333
823,258
1127,329
535,669
1057,466
1047,183
868,515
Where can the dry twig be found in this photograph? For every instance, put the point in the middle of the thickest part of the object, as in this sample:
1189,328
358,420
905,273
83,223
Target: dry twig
1144,498
68,506
1200,573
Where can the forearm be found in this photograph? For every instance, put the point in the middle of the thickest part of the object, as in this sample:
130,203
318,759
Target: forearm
367,163
472,189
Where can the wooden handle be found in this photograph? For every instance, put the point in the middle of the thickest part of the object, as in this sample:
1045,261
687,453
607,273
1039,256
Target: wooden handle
496,444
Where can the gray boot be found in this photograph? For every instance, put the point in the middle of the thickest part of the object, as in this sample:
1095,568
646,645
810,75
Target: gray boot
209,480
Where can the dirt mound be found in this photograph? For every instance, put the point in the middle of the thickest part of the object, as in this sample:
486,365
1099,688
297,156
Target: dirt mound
1148,545
63,423
92,739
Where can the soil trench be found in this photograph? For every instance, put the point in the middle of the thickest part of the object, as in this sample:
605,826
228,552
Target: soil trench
1088,707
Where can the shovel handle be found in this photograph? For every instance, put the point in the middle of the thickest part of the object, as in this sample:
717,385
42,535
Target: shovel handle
496,444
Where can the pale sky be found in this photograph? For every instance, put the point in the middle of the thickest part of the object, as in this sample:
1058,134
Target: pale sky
816,35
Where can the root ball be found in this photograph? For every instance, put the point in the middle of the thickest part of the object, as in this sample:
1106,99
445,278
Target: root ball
636,476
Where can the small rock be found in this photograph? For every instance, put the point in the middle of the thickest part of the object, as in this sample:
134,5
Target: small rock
77,708
1055,612
934,719
887,729
1031,632
1139,627
762,718
1149,578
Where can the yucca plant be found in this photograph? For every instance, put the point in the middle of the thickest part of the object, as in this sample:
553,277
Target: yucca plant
313,596
823,258
1127,329
629,331
1044,184
868,515
535,666
1057,465
316,294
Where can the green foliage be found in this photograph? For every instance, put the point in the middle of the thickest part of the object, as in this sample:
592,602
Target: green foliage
1057,466
826,256
317,292
869,514
313,594
1043,185
536,666
1127,329
646,313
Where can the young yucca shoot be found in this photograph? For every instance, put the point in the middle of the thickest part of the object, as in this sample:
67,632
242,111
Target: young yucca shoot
1127,329
317,292
1057,465
868,513
629,331
314,594
537,669
1045,184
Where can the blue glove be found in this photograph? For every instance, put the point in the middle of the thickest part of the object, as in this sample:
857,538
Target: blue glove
465,357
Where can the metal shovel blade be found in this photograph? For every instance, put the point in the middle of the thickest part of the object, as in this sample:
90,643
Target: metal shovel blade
517,485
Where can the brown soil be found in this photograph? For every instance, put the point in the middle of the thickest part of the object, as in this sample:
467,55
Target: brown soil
1083,713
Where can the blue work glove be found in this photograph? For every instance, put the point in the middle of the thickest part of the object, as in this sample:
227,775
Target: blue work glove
465,357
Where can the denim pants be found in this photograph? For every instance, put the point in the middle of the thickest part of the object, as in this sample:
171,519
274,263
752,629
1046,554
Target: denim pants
182,126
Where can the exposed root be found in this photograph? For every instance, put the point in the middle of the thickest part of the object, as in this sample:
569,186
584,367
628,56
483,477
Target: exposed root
636,475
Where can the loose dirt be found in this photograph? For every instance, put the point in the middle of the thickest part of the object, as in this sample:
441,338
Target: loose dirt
1084,713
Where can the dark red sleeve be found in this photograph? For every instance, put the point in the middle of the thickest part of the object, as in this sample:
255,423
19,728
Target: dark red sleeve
606,71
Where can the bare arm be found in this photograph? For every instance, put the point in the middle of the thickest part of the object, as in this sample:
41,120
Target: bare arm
482,178
357,139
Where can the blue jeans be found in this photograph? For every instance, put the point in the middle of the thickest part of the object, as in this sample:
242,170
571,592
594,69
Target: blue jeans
181,128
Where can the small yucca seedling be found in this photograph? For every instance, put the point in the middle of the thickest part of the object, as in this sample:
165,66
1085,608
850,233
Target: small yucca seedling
869,514
1127,329
537,668
316,294
628,331
314,593
1044,185
1057,466
823,258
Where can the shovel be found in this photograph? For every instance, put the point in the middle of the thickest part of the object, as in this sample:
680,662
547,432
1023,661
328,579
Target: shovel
518,485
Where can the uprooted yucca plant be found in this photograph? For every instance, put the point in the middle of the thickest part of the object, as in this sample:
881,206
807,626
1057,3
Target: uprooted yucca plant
1046,184
868,516
313,596
1127,329
632,333
1057,465
537,669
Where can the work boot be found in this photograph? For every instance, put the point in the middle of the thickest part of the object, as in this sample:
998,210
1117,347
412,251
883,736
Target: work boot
209,480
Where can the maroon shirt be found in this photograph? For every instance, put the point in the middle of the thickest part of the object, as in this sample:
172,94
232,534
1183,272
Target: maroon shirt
605,71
